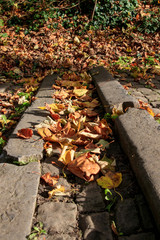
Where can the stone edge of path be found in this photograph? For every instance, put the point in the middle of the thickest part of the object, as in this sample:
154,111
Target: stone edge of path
19,199
19,189
139,136
29,150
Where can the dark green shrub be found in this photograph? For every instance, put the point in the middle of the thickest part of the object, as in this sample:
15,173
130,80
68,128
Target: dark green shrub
114,13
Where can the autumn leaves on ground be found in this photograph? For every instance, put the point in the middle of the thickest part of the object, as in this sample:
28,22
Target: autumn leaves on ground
73,125
75,129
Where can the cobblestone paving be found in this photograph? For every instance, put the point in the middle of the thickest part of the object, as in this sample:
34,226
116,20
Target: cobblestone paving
147,91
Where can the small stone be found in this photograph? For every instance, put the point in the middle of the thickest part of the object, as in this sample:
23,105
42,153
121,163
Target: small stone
126,217
96,226
58,217
90,199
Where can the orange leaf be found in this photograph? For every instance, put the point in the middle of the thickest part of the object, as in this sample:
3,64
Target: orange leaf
103,129
146,107
51,181
44,132
54,115
25,133
81,142
90,113
56,87
68,131
61,95
52,138
84,168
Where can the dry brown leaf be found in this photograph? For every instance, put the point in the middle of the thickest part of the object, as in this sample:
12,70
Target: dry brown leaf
89,135
84,168
25,133
51,181
146,107
44,132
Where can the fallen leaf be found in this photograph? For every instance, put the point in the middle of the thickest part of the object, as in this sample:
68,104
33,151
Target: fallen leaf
51,181
58,191
146,107
56,87
25,133
61,95
68,131
67,154
94,103
69,84
54,115
90,113
89,135
84,168
114,229
80,92
44,132
110,180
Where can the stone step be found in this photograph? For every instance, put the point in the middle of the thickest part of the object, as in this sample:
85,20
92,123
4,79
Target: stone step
139,136
18,187
26,150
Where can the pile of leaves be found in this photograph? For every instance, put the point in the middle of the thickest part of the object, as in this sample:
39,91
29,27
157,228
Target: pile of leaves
76,130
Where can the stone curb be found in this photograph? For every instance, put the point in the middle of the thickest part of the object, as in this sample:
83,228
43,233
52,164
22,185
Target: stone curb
19,184
139,136
111,91
27,150
19,188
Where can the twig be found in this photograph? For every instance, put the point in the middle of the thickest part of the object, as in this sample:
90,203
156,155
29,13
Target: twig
94,10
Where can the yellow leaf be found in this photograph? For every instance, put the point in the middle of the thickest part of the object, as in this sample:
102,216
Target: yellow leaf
67,154
59,190
110,180
56,107
43,108
80,92
44,132
70,84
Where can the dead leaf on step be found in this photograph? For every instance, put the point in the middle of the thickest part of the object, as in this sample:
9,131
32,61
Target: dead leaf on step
25,133
84,167
51,181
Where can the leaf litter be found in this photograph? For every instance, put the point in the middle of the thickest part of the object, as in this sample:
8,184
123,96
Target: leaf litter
79,134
